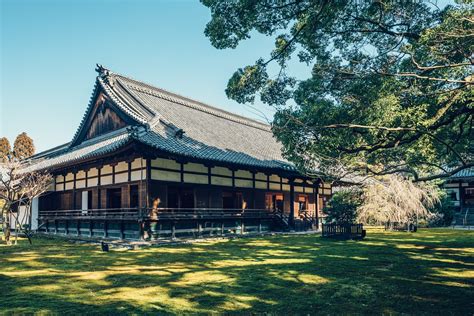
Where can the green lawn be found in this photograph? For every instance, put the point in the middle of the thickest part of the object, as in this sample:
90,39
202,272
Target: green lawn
428,272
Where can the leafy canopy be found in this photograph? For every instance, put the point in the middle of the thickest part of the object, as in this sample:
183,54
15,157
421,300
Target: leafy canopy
391,86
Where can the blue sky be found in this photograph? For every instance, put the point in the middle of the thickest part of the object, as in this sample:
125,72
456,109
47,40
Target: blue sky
49,50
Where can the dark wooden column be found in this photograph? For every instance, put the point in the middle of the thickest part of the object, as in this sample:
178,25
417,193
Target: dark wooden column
148,183
316,201
253,190
74,206
291,219
99,193
142,223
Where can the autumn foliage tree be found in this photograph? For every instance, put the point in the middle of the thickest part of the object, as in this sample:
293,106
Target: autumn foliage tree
390,89
394,199
23,146
5,149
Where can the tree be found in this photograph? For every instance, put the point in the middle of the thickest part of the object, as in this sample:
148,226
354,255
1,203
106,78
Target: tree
443,212
394,199
5,149
391,85
342,207
18,187
23,146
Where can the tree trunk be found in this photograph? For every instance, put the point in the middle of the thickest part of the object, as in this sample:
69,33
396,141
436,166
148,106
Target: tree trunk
16,231
7,228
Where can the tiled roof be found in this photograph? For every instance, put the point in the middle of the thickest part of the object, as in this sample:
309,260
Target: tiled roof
466,173
208,133
95,147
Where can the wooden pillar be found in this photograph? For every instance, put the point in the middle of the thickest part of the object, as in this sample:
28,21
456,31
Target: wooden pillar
99,191
291,219
253,191
242,226
122,233
106,226
66,227
78,225
113,172
222,228
148,183
173,230
74,206
90,228
141,230
199,227
209,178
316,202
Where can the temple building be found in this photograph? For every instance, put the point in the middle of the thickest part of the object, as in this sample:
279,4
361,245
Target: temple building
147,163
460,190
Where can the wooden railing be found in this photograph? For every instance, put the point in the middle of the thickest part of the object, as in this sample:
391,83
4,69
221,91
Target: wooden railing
107,213
144,214
205,213
343,231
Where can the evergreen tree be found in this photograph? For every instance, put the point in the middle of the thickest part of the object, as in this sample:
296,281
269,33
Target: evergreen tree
390,85
5,149
23,146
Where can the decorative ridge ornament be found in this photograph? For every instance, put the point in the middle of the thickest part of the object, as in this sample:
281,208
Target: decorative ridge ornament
105,74
101,70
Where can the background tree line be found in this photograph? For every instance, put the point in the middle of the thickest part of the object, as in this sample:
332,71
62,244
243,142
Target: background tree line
23,147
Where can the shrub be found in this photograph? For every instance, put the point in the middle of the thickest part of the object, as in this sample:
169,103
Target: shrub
342,208
443,212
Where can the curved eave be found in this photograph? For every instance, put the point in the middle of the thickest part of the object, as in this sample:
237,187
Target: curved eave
81,154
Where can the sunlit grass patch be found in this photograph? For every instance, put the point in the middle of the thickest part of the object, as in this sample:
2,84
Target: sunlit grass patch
454,273
388,272
201,277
